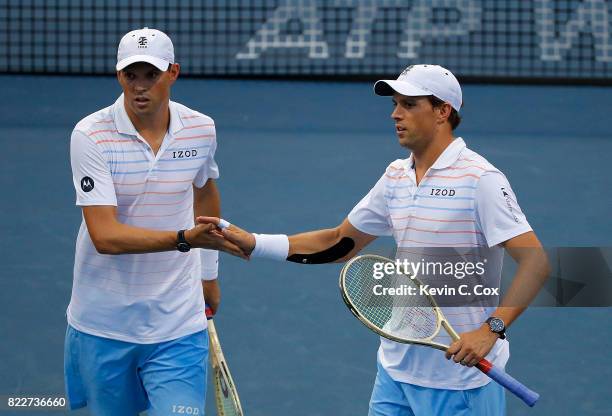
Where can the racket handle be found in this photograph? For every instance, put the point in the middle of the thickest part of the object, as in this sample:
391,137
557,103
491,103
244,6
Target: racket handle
519,389
209,312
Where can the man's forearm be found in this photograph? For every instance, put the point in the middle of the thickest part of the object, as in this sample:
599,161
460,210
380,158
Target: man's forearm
212,294
207,201
110,236
313,241
331,245
314,247
532,272
126,239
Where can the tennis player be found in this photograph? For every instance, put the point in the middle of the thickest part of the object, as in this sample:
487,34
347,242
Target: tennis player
442,195
142,169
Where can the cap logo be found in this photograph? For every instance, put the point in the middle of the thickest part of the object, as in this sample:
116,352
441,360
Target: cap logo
405,71
142,42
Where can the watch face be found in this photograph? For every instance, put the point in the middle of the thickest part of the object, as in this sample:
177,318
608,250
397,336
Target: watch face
496,325
183,247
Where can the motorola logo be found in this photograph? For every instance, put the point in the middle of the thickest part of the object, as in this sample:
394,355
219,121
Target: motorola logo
87,184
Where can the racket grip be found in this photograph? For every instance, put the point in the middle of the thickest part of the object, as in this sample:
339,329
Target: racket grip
519,389
209,312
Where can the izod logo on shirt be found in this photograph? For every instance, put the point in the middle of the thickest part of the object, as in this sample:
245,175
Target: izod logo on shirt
442,192
180,154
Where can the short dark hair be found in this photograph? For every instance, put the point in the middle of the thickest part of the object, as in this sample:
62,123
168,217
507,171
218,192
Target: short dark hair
454,119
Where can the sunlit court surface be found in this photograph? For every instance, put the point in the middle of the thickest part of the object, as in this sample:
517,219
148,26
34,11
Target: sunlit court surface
297,154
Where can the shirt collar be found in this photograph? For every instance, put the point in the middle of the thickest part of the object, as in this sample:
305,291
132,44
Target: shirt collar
448,156
125,126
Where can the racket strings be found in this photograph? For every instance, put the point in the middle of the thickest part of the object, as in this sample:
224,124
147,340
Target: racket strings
406,315
224,395
359,286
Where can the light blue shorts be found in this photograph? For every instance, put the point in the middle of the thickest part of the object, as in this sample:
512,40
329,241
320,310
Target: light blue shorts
119,378
393,398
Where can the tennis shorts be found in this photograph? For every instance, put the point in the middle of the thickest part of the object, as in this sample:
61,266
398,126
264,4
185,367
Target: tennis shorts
393,398
119,378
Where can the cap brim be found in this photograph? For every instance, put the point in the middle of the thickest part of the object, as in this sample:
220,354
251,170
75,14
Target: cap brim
159,63
387,87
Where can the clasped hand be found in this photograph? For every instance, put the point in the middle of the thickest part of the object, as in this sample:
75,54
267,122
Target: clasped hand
232,239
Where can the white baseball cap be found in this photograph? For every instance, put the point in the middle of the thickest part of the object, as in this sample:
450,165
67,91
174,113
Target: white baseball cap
145,45
418,80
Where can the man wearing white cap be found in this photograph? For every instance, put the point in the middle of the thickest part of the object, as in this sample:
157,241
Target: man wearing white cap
442,195
142,169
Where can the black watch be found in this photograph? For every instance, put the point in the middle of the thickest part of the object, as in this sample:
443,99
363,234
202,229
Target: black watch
181,244
498,326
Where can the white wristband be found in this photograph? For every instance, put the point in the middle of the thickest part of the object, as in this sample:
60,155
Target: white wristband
271,246
210,264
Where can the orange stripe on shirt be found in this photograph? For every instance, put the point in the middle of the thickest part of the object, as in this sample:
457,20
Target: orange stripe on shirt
102,131
442,244
153,204
156,215
396,178
198,125
154,193
466,167
430,219
150,181
439,232
112,141
201,136
454,177
462,255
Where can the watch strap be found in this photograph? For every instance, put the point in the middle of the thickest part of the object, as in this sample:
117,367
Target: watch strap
182,244
502,333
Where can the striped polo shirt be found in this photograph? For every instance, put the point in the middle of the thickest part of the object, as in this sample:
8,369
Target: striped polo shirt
464,205
140,298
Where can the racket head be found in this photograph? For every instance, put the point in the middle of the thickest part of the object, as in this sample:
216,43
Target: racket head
226,395
408,319
357,279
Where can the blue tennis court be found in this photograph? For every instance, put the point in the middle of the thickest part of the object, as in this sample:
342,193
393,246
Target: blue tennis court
295,156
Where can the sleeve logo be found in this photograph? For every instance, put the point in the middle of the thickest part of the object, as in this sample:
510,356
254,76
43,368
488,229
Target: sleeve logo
509,204
87,184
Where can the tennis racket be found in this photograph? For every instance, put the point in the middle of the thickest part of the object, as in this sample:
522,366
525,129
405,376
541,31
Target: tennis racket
226,395
409,319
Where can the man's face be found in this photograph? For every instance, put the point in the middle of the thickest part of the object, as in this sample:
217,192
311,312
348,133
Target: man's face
416,121
145,87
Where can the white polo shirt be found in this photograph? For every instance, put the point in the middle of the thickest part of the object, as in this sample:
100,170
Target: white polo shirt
140,298
480,213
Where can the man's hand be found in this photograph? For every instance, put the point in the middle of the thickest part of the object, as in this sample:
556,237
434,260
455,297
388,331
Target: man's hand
473,346
205,235
236,235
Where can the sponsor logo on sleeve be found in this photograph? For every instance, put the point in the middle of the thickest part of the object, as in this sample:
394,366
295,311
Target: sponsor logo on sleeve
87,184
509,204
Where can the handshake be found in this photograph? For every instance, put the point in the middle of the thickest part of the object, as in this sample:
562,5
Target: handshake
314,247
217,234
